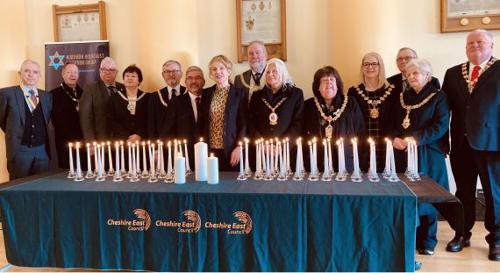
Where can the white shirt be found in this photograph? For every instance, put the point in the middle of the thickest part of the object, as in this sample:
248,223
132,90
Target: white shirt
193,105
177,91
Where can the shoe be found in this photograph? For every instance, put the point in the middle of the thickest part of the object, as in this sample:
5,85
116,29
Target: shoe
426,251
494,254
418,265
457,244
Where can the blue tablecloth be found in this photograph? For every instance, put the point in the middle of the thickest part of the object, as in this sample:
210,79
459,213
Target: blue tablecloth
233,226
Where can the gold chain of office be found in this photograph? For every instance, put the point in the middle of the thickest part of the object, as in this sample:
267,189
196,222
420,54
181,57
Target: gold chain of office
373,110
406,121
332,118
273,117
465,74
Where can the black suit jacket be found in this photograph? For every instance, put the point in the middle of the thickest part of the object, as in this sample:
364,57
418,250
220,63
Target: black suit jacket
159,115
93,111
235,121
183,125
474,117
244,81
66,121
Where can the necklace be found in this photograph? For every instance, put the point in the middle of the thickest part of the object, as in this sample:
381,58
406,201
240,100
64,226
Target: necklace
332,118
73,98
131,101
465,74
374,112
406,121
273,117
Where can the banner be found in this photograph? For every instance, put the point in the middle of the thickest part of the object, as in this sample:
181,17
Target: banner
86,55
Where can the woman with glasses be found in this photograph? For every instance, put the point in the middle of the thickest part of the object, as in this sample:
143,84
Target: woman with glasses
223,114
375,98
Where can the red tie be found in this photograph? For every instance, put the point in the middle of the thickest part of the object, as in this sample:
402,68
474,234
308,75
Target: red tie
474,75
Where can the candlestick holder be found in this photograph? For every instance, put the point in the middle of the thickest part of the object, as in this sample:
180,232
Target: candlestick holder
341,175
313,176
111,172
152,177
162,174
78,176
101,177
393,177
71,174
326,176
169,178
356,177
241,176
282,176
134,177
90,174
373,176
118,176
145,173
259,175
268,175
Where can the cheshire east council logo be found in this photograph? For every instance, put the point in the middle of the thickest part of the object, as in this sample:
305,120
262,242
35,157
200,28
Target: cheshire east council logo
191,222
142,223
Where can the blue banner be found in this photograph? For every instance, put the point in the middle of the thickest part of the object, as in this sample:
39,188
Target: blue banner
86,55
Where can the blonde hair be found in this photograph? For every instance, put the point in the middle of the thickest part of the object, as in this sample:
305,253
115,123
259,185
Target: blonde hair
223,60
381,69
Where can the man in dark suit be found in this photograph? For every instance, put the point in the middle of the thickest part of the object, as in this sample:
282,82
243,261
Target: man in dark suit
473,90
399,81
24,115
94,101
184,124
252,79
65,116
158,111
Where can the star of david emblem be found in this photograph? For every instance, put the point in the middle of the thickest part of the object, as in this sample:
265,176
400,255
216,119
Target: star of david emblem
56,60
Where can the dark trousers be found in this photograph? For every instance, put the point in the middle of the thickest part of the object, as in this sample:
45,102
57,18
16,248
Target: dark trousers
28,161
426,232
467,164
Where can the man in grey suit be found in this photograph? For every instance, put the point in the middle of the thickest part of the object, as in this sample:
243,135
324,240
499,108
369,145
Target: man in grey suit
94,100
24,115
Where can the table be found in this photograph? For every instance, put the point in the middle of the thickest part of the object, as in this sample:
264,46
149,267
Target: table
50,221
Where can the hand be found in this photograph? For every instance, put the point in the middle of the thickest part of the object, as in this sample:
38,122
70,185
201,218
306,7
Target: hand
399,143
235,157
133,138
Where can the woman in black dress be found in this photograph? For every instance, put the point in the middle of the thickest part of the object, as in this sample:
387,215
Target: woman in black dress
332,114
128,109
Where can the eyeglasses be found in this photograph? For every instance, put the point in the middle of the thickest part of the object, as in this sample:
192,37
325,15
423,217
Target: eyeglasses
171,71
370,64
108,70
405,59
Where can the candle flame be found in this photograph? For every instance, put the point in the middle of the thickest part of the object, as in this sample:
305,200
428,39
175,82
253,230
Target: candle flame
211,154
108,142
201,139
70,144
240,143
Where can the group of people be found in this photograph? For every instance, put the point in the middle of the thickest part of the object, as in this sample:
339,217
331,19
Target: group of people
263,102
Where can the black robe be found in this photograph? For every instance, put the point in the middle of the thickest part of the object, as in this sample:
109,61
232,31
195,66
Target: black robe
124,124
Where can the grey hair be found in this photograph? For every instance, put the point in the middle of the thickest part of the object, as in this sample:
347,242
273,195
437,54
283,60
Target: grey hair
108,61
172,62
194,68
28,61
481,30
410,49
421,64
282,70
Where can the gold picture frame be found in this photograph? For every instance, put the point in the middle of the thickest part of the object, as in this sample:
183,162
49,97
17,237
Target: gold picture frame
466,15
263,20
83,22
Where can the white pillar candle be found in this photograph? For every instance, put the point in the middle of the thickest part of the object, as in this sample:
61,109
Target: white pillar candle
242,169
200,160
71,167
180,170
415,160
213,169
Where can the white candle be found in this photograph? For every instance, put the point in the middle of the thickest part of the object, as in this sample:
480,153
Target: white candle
341,157
281,156
276,156
186,154
298,162
287,155
415,160
110,157
213,170
387,167
129,148
144,161
180,170
355,154
263,154
152,158
122,155
103,156
258,167
169,168
97,154
94,145
373,159
117,158
133,159
326,168
268,167
315,156
71,167
330,161
161,158
271,156
137,157
247,161
242,171
311,156
393,162
78,165
89,163
200,160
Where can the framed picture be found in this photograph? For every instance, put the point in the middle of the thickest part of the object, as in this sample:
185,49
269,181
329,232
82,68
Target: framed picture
84,22
263,20
466,15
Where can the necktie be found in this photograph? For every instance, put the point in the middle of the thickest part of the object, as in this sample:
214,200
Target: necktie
111,89
474,75
33,98
173,93
198,101
256,78
405,85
